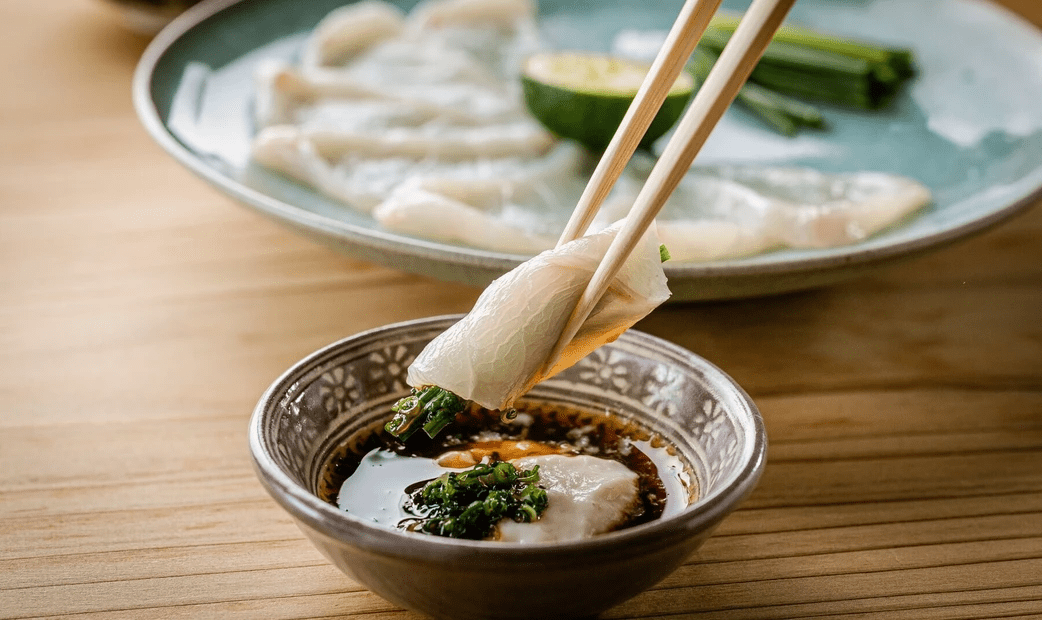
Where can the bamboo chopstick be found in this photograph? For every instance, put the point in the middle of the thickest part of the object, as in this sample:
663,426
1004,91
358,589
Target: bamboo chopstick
692,21
732,69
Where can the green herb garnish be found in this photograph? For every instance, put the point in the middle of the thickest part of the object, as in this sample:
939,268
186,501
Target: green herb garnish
802,63
470,503
430,407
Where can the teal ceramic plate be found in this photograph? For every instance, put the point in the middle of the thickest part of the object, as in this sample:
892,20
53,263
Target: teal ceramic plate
969,127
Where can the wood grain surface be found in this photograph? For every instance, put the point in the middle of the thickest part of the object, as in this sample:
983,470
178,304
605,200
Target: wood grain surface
143,314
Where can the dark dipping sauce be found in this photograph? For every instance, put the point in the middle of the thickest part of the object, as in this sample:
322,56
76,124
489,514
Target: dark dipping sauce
570,431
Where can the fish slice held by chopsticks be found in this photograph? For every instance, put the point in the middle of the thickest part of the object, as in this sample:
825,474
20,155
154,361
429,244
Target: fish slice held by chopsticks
496,353
554,309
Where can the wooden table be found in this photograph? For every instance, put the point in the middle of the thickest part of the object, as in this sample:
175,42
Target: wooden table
143,314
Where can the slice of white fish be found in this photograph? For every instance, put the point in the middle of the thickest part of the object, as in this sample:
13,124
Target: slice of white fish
733,212
412,210
286,149
730,212
491,204
529,188
497,352
459,144
447,13
587,496
349,30
332,99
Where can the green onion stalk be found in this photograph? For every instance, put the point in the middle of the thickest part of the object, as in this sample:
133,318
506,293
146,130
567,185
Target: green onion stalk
801,64
469,504
430,408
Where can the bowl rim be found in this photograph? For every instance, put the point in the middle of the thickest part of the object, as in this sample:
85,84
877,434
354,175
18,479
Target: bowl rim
326,519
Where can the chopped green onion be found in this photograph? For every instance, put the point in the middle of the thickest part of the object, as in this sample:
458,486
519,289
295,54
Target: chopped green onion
431,408
469,504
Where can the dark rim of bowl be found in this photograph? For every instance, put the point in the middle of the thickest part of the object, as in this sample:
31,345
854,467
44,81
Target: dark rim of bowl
328,520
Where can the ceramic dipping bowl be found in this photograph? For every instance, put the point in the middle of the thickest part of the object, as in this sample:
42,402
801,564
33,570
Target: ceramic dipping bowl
349,386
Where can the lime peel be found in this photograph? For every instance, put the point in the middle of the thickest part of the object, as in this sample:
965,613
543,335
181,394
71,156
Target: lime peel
584,96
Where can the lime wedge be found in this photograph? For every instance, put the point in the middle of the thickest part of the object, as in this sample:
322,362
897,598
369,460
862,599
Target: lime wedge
584,96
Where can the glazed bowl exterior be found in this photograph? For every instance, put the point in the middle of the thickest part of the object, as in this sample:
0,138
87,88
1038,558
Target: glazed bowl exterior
349,386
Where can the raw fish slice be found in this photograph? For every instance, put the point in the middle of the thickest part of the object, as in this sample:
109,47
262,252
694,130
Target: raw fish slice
448,13
465,144
820,209
290,103
283,90
360,117
364,184
478,204
480,28
497,352
490,183
451,57
284,149
733,212
285,94
412,210
705,240
349,30
442,71
274,99
457,144
857,206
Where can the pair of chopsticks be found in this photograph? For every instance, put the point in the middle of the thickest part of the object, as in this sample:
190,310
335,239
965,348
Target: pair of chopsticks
736,62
